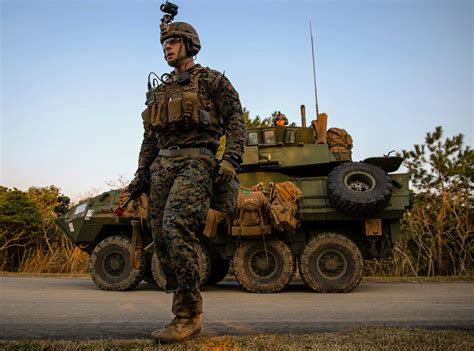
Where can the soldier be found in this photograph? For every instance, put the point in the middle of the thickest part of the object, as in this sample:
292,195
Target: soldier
280,120
185,117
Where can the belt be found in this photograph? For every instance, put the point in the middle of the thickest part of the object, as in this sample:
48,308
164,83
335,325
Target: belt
190,151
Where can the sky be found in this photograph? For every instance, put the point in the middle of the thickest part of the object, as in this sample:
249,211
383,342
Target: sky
74,72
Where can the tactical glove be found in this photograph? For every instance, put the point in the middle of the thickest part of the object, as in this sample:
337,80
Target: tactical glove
142,176
226,172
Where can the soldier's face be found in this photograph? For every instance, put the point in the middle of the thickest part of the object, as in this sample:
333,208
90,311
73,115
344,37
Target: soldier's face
171,47
280,122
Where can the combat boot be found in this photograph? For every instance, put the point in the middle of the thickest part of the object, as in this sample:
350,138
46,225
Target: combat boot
178,330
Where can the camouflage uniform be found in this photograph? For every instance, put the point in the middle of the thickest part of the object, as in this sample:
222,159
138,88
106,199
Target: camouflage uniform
191,115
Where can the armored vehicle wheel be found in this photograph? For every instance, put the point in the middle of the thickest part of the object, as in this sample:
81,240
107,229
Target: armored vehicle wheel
148,276
204,262
261,266
219,269
110,265
331,262
359,188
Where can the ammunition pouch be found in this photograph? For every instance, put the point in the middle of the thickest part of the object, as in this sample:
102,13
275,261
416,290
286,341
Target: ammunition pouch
180,106
159,111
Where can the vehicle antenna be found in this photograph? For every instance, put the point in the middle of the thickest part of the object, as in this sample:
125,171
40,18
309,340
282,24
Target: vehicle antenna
314,69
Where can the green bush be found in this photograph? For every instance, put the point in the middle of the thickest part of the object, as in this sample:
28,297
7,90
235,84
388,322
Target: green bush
30,241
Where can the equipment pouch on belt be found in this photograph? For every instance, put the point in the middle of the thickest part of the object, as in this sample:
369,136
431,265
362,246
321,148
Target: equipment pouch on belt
225,196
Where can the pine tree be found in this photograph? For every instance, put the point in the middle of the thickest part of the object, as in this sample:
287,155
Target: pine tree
438,228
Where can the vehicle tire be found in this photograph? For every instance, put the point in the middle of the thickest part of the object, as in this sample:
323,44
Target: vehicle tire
148,276
204,262
110,267
219,270
264,267
331,262
359,188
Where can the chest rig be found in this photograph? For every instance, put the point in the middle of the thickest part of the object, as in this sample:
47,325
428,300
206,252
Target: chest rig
182,106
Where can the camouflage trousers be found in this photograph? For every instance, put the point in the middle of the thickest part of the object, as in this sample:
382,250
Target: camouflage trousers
180,193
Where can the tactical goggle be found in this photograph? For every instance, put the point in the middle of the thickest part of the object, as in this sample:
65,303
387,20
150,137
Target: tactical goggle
171,41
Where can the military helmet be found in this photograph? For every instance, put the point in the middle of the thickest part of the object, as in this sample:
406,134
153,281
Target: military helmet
182,30
280,116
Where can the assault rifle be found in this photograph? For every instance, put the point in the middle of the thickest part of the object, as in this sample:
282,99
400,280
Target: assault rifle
138,189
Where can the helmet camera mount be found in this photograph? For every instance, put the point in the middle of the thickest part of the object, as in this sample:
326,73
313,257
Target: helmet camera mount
170,11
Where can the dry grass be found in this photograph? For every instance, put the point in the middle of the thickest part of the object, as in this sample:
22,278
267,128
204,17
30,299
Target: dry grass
62,257
377,338
44,275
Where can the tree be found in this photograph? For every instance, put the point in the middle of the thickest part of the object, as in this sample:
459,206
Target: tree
256,122
437,165
438,229
30,240
249,123
20,221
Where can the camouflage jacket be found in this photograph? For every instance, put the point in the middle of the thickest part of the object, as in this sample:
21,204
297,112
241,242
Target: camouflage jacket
194,114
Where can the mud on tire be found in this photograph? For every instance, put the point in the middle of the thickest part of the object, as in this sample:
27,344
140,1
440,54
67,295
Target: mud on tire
331,263
257,273
204,262
359,188
110,267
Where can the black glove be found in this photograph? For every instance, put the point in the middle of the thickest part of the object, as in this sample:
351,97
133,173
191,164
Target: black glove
142,176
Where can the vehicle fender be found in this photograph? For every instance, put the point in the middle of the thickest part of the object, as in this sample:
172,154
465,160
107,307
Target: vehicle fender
388,164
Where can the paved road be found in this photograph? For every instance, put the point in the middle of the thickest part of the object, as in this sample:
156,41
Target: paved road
73,308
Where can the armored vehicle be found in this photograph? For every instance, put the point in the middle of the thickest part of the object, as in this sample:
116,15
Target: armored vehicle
304,206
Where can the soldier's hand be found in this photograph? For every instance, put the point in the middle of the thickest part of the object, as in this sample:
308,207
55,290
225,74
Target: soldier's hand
226,172
133,184
143,174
